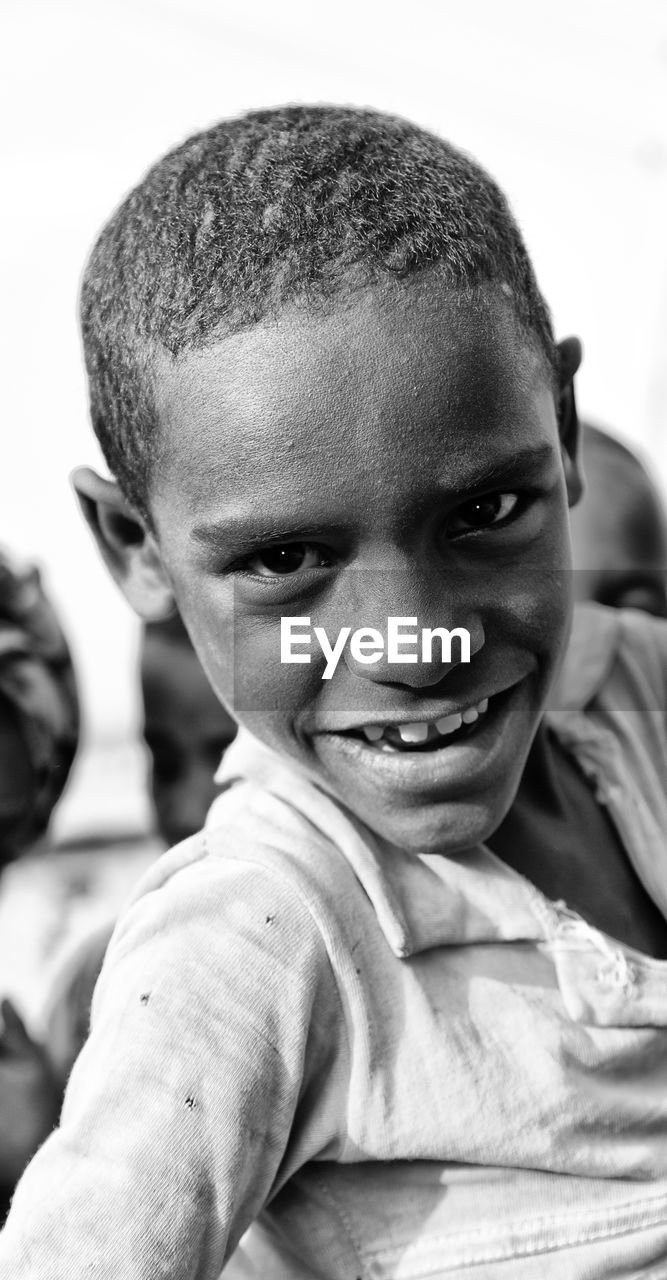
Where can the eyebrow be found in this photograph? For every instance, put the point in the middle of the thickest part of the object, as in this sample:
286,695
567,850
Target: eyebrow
520,465
239,532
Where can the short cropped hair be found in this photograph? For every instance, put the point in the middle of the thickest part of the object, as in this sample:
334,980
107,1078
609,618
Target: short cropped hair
295,204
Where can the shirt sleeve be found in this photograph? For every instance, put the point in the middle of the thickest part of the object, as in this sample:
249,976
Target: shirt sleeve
209,1023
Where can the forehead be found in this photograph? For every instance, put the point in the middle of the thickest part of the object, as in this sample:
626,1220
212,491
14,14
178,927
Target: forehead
446,374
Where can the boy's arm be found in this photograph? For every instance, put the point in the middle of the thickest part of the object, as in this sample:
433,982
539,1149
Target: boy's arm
179,1110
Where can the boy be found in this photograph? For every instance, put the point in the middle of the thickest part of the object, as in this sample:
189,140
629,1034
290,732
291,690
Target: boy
619,537
327,388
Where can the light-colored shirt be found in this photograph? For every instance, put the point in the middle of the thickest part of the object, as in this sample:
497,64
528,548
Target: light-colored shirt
369,1064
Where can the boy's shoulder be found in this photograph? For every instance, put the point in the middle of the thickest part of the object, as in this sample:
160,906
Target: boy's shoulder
610,648
268,816
275,838
274,847
223,902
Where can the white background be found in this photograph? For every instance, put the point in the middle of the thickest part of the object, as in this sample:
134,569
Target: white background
565,104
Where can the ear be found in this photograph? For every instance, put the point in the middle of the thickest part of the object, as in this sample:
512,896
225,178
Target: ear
569,358
127,546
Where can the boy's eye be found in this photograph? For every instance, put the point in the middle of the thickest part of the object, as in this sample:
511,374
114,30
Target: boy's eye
483,513
290,557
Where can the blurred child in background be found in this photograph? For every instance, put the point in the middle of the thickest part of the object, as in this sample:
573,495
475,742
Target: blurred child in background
186,730
39,723
39,713
619,531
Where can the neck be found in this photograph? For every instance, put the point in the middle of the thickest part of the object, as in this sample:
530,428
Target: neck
538,790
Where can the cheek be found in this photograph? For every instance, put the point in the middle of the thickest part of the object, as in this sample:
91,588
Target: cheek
545,610
530,610
535,593
240,653
248,674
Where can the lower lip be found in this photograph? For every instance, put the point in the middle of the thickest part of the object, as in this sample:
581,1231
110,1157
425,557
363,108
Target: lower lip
461,761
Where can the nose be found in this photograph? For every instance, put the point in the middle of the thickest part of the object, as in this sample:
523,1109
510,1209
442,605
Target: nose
413,632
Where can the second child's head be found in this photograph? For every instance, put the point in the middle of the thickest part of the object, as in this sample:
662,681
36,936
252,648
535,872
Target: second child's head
186,729
326,385
619,530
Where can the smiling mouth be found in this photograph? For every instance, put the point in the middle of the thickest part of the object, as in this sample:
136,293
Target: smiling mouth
422,735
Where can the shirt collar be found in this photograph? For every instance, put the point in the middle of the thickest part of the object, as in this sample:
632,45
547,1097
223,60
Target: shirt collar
420,901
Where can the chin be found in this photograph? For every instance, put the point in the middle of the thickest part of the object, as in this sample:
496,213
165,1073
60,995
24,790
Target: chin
448,831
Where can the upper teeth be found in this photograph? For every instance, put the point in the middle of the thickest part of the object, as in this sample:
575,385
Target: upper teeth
419,730
413,732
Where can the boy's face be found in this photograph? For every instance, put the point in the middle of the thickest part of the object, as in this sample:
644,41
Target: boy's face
399,457
619,537
186,731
